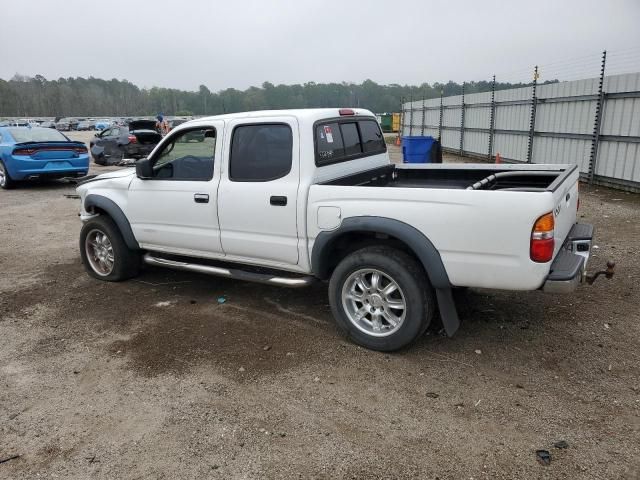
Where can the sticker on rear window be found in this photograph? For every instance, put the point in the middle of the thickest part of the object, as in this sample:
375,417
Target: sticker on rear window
328,133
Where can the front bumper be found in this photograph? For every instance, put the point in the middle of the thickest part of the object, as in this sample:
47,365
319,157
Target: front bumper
568,269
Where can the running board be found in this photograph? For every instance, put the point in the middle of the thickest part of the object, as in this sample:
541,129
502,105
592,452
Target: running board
291,282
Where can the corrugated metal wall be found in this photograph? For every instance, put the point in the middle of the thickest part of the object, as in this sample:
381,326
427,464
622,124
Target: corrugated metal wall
564,125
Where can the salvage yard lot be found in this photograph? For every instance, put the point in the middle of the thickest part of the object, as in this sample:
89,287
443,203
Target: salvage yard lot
158,377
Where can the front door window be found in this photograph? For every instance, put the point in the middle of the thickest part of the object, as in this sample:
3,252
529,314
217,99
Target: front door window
189,155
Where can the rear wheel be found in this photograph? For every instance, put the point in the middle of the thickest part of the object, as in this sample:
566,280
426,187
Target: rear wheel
104,253
381,298
6,182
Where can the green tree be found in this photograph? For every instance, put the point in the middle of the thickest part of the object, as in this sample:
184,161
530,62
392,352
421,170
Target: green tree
37,96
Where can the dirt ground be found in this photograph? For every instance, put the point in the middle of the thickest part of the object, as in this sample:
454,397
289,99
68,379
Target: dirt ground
155,378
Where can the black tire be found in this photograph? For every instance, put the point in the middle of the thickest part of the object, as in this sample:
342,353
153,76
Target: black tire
99,159
6,182
126,262
414,285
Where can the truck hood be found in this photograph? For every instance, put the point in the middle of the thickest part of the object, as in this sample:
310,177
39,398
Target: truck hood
124,173
128,172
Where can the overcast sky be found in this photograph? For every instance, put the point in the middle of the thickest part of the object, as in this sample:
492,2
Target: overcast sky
238,43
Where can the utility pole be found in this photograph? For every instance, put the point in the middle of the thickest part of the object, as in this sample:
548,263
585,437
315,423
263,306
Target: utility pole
532,120
423,116
440,120
462,122
595,140
492,117
411,115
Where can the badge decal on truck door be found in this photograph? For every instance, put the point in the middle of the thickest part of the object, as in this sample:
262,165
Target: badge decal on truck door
328,133
557,210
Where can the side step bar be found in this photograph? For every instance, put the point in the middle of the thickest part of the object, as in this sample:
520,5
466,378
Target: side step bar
291,282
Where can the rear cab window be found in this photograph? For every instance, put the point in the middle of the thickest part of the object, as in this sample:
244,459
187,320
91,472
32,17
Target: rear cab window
344,139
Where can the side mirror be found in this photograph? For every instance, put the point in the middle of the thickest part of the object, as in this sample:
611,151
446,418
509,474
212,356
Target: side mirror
144,169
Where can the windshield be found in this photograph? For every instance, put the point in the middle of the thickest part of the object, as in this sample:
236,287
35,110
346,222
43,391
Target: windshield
36,135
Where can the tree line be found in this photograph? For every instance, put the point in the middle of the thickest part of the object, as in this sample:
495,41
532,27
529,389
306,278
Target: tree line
24,96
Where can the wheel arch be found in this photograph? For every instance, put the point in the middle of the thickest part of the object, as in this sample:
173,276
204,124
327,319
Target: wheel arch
325,255
416,242
106,206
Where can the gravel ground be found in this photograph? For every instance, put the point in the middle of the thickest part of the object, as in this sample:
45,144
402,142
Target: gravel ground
154,378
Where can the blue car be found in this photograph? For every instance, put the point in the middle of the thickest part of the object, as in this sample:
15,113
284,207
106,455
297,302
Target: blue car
102,124
28,153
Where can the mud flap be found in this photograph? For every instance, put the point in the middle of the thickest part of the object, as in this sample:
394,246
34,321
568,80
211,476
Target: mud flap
448,311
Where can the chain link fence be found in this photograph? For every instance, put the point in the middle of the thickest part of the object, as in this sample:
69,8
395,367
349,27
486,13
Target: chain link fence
594,123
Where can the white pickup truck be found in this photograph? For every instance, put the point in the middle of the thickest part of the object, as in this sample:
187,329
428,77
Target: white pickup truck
294,196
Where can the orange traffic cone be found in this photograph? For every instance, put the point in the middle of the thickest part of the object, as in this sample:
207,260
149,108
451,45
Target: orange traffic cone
498,159
398,141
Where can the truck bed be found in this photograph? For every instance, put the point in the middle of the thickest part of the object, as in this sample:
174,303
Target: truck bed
527,178
479,217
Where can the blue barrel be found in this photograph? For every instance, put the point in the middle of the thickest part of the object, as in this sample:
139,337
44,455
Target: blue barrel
417,149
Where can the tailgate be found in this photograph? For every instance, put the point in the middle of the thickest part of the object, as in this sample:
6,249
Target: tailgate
565,206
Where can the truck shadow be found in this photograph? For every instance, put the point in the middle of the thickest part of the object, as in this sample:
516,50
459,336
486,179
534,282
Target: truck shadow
172,322
257,329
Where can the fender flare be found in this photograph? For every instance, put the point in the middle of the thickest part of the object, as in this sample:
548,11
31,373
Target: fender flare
415,239
420,245
116,214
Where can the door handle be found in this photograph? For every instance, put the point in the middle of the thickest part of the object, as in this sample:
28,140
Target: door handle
278,200
201,197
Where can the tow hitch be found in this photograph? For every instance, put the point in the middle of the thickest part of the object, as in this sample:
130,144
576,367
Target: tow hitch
608,273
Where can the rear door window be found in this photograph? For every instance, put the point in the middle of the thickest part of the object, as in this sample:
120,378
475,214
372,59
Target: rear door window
261,153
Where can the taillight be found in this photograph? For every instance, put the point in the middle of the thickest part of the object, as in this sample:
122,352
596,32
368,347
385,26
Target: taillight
542,242
24,151
79,149
346,111
133,139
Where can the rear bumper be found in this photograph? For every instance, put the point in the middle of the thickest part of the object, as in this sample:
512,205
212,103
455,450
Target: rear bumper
568,269
134,150
28,169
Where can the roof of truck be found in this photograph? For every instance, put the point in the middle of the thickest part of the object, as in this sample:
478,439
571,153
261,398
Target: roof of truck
302,113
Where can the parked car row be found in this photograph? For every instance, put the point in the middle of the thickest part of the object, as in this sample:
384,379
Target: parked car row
116,140
66,124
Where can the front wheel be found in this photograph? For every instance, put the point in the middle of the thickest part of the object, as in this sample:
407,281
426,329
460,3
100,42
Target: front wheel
104,253
381,298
